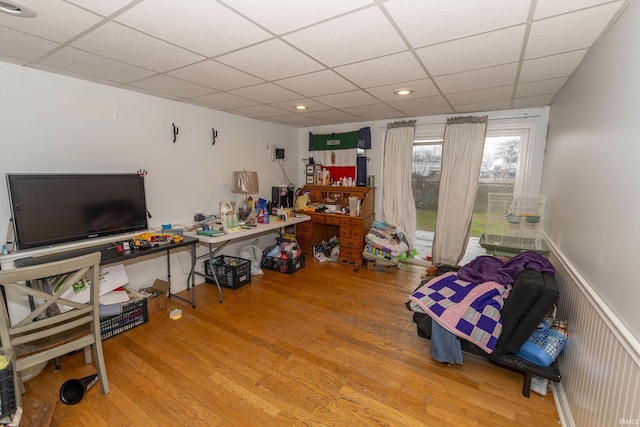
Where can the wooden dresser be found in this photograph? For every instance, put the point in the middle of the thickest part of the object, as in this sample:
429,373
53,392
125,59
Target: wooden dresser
350,229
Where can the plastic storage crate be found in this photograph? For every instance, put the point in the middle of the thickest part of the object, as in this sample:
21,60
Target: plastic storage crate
7,392
232,272
288,266
134,313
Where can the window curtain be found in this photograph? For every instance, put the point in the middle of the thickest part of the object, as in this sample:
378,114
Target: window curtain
398,205
461,160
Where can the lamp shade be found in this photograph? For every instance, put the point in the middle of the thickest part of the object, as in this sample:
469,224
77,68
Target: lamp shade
245,182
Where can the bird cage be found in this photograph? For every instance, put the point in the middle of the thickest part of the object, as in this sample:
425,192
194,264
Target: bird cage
514,224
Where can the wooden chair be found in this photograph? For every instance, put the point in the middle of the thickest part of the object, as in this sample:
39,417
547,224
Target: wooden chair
55,325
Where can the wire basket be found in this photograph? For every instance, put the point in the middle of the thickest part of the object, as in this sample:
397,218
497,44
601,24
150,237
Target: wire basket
543,346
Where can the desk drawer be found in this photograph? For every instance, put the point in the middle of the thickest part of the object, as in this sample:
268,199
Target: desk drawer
333,220
350,233
304,227
350,255
351,243
318,219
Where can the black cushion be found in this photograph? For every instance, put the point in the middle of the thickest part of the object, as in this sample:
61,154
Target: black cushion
535,314
526,290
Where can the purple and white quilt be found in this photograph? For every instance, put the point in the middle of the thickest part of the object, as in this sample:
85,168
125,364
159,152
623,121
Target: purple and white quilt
468,310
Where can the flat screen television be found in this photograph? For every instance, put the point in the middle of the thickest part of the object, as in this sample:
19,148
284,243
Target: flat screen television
49,209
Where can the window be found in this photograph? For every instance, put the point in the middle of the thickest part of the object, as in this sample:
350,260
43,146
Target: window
505,163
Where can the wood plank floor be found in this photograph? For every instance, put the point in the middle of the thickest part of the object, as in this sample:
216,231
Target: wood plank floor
326,346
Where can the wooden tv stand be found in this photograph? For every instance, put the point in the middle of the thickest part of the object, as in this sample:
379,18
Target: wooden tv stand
350,229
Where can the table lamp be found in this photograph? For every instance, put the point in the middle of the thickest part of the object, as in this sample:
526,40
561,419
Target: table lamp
244,183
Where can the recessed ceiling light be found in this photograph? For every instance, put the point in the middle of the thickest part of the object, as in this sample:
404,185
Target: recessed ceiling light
403,92
16,8
301,107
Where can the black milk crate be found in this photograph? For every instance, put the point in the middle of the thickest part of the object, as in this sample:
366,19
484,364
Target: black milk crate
232,272
288,266
7,392
134,313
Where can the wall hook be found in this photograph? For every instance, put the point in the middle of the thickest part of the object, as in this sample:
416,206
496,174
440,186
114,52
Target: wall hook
215,135
176,130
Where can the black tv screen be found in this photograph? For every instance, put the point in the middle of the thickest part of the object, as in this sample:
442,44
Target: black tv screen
59,208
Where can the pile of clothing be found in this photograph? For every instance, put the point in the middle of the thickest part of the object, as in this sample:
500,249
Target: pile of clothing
384,244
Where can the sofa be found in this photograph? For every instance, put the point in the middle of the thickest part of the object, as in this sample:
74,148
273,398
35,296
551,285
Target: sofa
531,295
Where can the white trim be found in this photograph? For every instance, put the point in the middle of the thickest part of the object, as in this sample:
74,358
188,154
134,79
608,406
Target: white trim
630,343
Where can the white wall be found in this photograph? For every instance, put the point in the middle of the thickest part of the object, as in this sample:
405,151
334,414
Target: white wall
52,123
592,168
535,119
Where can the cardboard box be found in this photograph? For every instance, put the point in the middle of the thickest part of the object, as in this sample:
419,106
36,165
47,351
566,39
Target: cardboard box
158,302
110,278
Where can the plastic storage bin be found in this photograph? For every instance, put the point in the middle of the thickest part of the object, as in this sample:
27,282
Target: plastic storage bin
7,392
288,266
134,313
232,272
543,346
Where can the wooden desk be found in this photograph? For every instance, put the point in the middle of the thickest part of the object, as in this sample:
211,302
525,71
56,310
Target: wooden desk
350,229
217,243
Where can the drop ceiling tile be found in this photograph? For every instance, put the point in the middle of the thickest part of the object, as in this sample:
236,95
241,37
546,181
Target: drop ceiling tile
152,92
400,67
502,93
396,115
429,22
89,64
75,75
216,75
291,14
224,101
323,82
547,8
56,20
21,46
370,109
419,103
11,60
483,106
266,93
290,106
202,26
549,67
421,88
133,47
103,8
564,33
299,120
376,38
260,111
484,50
542,87
271,60
429,111
532,101
173,86
500,75
334,116
347,99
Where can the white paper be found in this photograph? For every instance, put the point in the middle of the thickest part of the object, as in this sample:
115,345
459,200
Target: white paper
114,297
